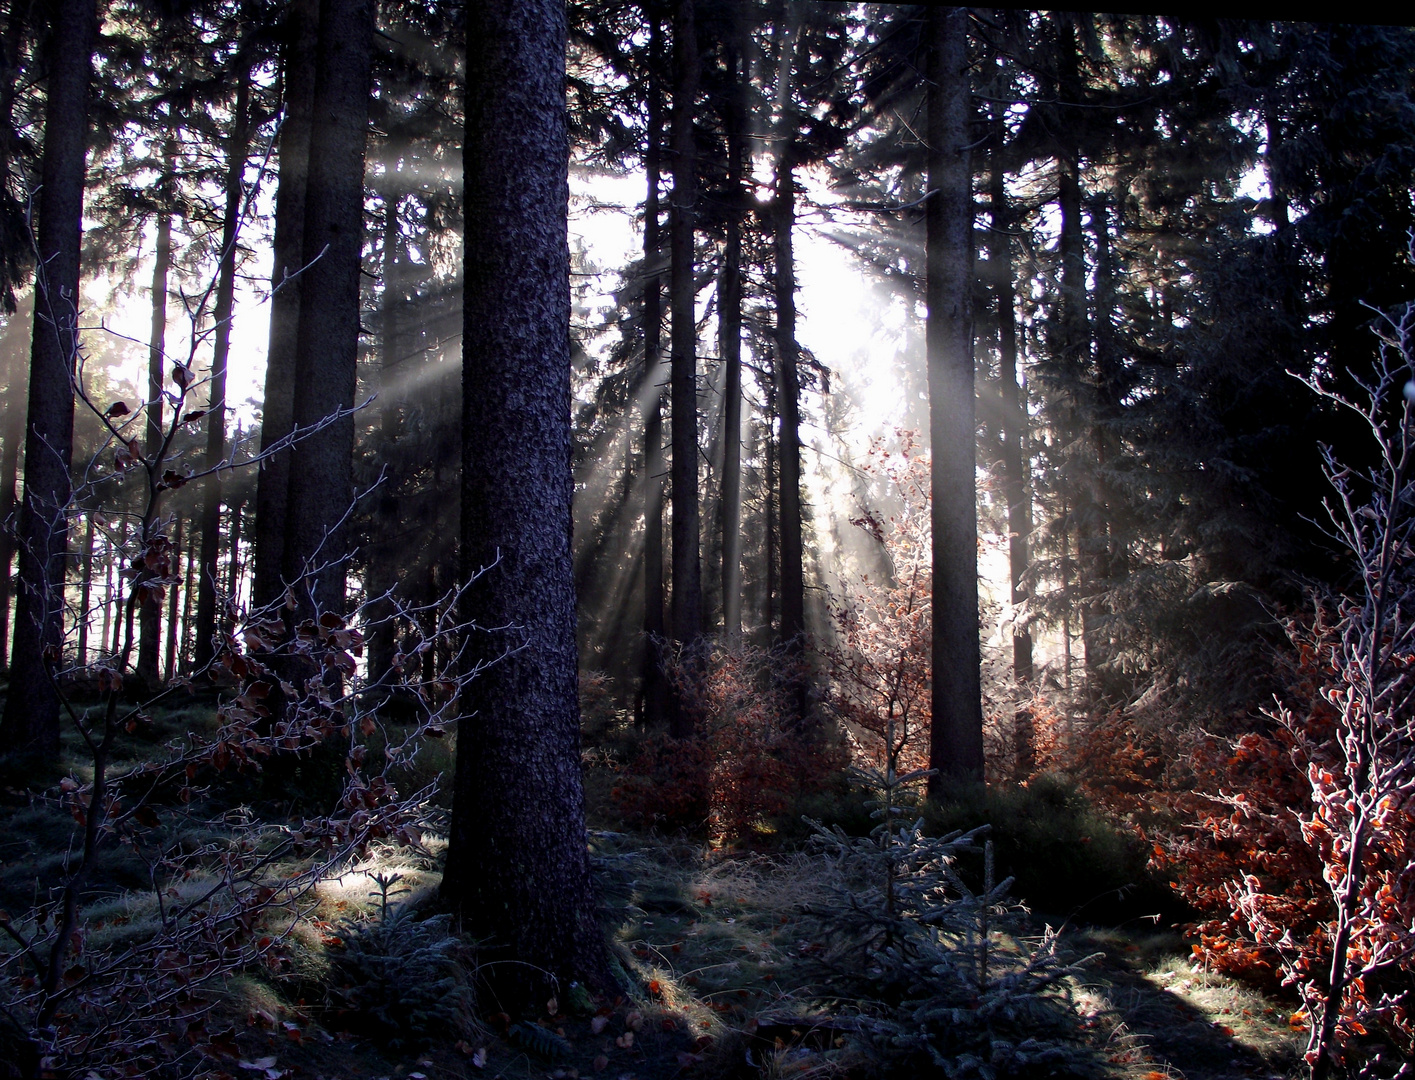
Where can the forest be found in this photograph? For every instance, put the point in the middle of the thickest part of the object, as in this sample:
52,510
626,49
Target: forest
719,539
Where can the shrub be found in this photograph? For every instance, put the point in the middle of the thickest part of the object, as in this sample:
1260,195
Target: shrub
748,761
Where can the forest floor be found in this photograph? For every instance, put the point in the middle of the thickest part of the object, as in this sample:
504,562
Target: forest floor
718,987
719,968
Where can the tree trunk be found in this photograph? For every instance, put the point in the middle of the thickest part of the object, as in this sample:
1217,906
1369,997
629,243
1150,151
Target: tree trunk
382,574
172,609
730,330
216,407
517,868
149,616
1016,461
233,574
31,721
321,467
687,600
278,418
184,649
653,688
11,436
956,739
85,591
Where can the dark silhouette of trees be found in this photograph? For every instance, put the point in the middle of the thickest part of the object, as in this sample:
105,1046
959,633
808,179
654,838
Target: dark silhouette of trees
687,595
31,720
956,747
327,343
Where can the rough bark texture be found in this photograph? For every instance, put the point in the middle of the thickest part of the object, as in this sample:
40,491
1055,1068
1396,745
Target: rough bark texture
653,685
687,602
150,614
321,482
216,407
31,721
272,489
517,867
956,742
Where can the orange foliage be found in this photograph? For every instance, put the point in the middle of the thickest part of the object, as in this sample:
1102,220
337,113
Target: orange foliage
745,763
880,665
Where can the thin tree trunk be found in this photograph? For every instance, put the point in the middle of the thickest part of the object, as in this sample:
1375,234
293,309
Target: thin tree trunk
956,738
321,477
653,688
11,437
31,720
730,333
769,515
172,609
1016,459
233,574
117,599
381,572
517,867
85,591
188,591
272,488
216,408
149,617
1074,344
687,602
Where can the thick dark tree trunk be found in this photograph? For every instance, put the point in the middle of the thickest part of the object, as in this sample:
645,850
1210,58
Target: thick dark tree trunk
730,334
687,600
653,687
956,740
517,868
272,489
31,721
1016,467
321,478
150,614
216,408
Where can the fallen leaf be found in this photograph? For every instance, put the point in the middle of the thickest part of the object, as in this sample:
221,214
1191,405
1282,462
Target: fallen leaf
598,1024
625,1041
601,1063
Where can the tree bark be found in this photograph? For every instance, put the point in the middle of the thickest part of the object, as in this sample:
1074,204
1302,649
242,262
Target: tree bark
278,411
687,601
517,867
321,477
150,614
31,721
653,686
236,150
956,739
